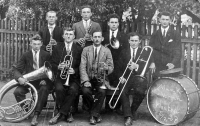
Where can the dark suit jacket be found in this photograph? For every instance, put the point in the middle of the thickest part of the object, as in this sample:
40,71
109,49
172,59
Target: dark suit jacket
25,64
166,50
123,40
125,57
58,55
44,33
80,30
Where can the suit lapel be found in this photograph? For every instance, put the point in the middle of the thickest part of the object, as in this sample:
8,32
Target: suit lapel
40,58
168,35
101,53
160,36
91,54
81,26
30,57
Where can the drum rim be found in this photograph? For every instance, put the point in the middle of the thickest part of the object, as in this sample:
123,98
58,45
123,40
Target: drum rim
185,93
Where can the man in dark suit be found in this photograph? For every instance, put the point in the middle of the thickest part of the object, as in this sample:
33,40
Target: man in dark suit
66,91
91,72
51,32
30,61
128,56
110,36
85,28
166,43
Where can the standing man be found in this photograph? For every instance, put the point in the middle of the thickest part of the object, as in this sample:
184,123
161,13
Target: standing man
111,37
50,33
166,43
66,92
31,61
85,28
91,58
137,87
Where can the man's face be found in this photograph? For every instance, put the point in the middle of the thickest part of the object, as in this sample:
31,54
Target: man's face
165,20
36,45
113,24
68,36
134,41
86,13
97,38
51,18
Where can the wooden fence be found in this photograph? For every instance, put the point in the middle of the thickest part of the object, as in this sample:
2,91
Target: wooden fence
14,40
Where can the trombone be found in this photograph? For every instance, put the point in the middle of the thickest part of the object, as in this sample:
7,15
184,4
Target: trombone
141,77
68,59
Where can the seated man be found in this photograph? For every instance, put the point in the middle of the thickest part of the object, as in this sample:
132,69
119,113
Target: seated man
66,90
30,61
91,57
139,87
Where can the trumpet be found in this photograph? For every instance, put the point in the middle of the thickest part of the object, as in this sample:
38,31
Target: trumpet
140,77
68,59
114,43
52,43
101,77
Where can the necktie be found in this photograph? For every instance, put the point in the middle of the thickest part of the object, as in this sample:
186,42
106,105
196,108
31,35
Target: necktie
68,50
112,37
86,25
95,53
164,32
133,58
35,66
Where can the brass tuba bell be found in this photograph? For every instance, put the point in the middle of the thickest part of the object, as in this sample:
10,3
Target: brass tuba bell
23,109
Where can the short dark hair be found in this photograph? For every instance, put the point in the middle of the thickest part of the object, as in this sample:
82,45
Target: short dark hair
166,13
131,34
113,16
86,6
68,29
36,37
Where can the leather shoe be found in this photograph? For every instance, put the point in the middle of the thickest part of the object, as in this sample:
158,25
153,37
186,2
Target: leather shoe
69,118
34,121
92,120
55,119
99,119
128,121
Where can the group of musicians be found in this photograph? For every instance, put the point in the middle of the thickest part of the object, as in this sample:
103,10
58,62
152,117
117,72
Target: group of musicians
98,60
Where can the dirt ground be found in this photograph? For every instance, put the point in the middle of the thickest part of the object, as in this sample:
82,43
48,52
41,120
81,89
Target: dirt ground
144,117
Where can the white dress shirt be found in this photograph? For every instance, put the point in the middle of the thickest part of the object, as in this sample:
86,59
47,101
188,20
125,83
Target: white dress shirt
166,29
86,25
51,28
70,46
115,33
98,49
134,52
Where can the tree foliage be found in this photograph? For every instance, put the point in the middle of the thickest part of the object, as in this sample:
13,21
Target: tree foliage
70,9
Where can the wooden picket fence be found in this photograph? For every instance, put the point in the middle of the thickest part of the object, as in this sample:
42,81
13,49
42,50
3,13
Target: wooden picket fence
15,34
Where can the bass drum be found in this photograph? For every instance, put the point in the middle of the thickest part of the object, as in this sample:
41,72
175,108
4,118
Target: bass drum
173,100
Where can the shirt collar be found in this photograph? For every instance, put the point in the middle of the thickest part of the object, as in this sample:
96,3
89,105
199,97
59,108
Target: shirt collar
89,20
70,45
34,51
166,29
115,32
53,26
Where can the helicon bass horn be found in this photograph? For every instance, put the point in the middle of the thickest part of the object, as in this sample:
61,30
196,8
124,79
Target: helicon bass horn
139,78
23,109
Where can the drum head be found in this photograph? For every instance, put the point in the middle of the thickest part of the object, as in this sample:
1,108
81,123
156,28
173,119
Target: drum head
167,101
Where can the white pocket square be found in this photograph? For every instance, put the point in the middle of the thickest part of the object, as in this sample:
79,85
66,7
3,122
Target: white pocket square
170,40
